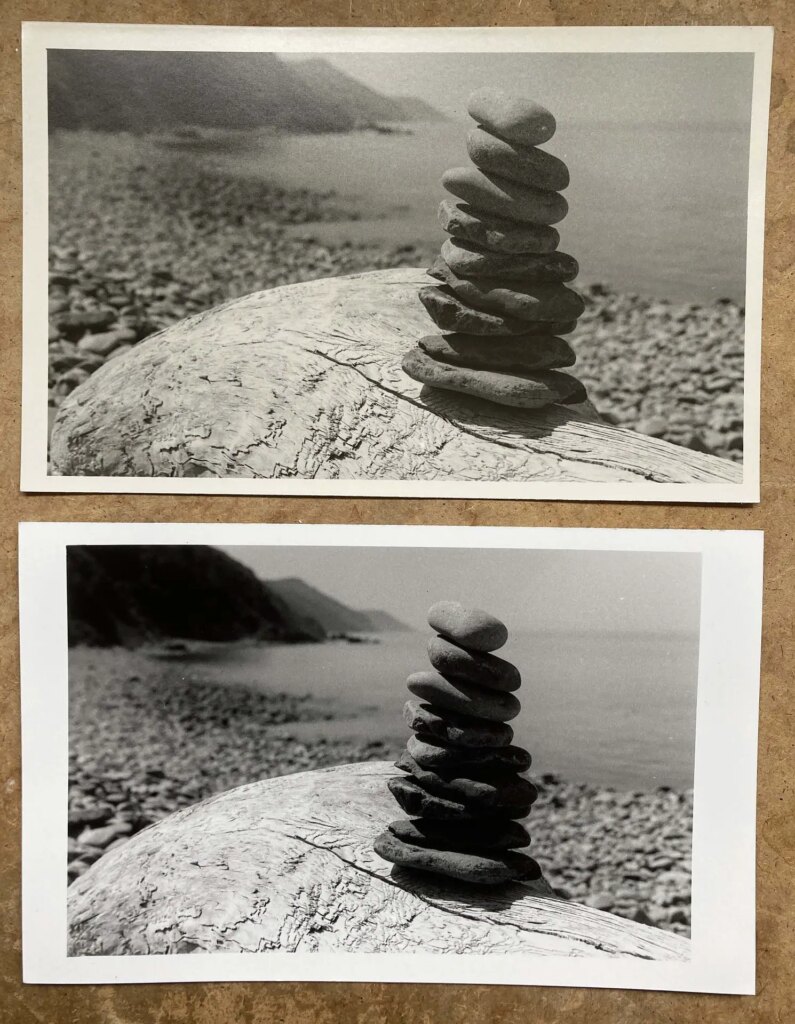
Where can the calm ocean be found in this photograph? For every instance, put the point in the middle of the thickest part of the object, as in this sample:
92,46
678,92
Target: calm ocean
612,709
658,210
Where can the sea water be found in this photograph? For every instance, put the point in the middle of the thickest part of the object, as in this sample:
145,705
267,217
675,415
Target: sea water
655,209
610,709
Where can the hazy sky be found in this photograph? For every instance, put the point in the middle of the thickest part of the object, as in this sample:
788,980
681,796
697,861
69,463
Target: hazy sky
592,591
614,87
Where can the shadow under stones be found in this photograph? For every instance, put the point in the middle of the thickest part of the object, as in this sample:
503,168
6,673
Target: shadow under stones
466,410
491,898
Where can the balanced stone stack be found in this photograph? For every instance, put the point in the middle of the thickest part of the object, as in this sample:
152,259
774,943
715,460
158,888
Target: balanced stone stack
462,785
502,303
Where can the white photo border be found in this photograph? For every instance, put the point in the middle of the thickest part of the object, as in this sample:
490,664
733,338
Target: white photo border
723,931
38,36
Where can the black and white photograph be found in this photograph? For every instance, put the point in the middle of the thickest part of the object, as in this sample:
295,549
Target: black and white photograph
471,754
508,263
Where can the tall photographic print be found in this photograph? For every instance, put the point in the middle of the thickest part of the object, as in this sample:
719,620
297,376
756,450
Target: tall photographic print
438,754
516,263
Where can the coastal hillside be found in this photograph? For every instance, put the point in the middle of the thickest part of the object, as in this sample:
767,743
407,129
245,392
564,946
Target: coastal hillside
383,622
128,595
335,617
366,105
148,91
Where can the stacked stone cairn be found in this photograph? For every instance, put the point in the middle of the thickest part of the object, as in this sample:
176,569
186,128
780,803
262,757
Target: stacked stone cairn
502,302
462,785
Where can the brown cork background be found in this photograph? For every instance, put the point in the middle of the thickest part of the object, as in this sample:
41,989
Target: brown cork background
301,1003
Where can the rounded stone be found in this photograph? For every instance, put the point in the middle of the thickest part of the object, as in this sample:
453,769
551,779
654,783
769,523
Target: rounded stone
495,791
429,752
415,801
456,662
450,727
519,391
465,698
525,164
489,834
512,117
505,198
76,323
107,342
495,233
521,354
479,869
469,627
517,300
466,260
449,313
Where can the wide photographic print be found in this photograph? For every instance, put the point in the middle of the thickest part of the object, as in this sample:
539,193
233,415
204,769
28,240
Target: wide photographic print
385,753
511,263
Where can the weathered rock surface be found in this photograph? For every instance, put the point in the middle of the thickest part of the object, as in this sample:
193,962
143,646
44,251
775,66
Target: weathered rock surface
453,728
525,164
518,390
497,234
522,354
287,864
225,393
503,197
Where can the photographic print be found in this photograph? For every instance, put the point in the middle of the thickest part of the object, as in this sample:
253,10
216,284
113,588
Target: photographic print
455,754
434,262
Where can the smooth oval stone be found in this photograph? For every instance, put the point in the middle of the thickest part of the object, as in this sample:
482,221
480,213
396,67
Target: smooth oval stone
466,260
523,354
479,869
416,802
518,391
449,313
473,666
532,302
489,834
505,198
457,729
496,791
432,753
495,233
524,164
465,698
469,627
512,117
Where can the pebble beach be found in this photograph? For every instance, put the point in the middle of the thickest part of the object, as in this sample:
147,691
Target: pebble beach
142,236
624,852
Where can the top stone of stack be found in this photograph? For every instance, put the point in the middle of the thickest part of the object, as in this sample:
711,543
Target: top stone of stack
468,627
513,118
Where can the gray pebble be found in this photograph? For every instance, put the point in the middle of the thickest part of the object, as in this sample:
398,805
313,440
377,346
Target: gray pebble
512,117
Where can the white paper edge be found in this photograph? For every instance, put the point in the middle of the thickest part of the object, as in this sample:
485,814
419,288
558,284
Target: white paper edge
37,36
723,914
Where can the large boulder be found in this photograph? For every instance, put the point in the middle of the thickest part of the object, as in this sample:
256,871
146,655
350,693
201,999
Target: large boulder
288,864
305,381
